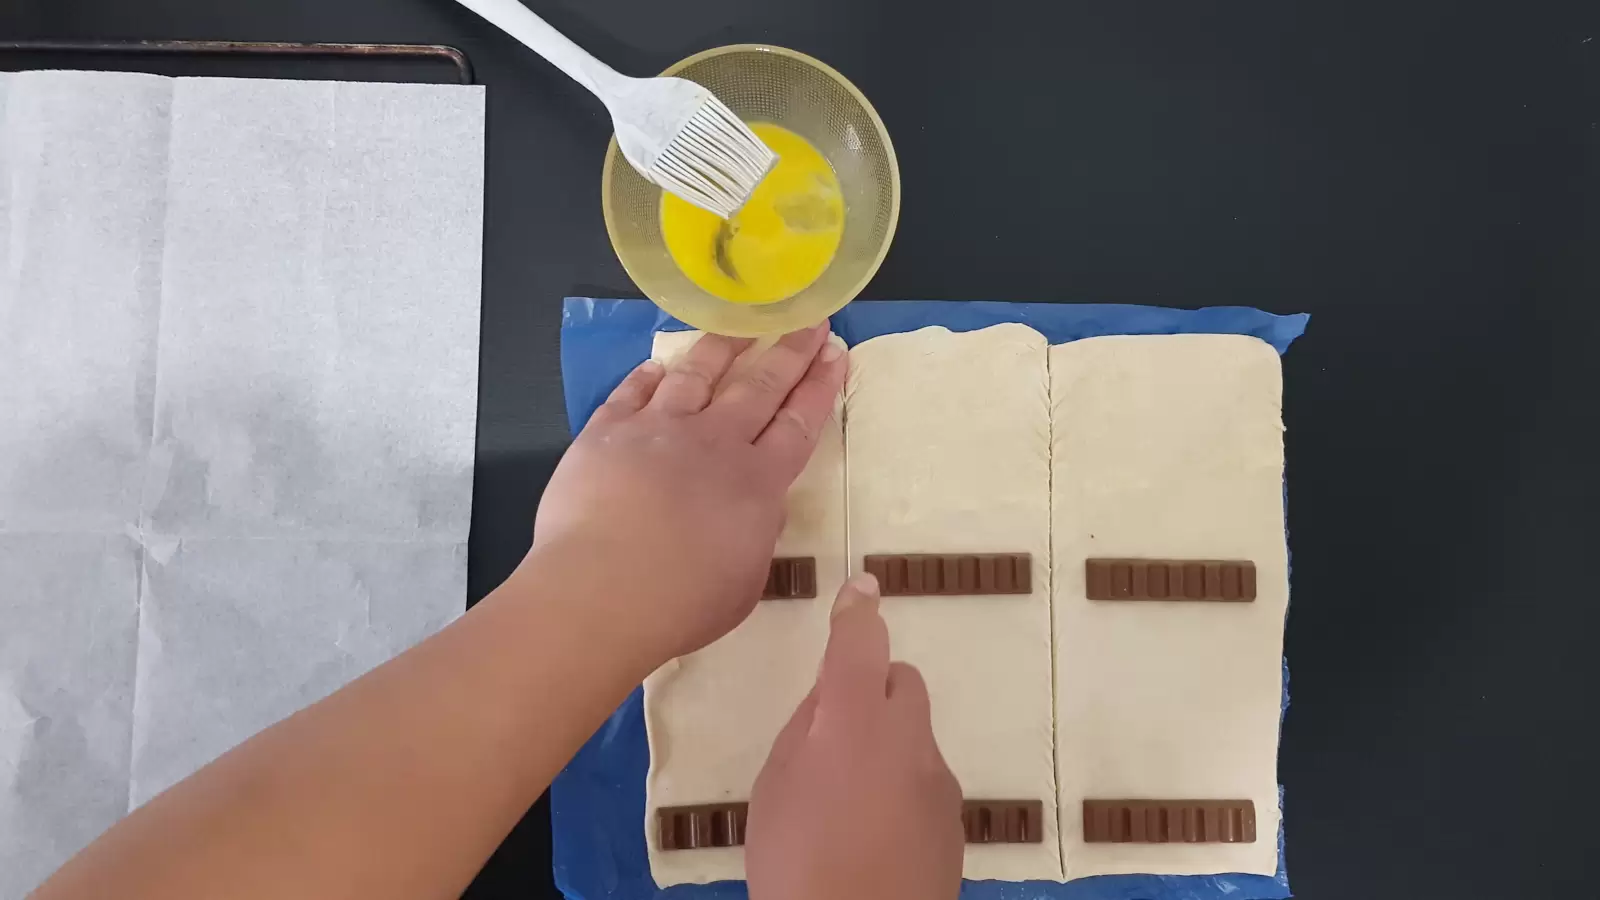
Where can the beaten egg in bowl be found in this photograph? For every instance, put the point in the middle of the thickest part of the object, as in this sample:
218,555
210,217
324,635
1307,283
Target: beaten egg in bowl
778,243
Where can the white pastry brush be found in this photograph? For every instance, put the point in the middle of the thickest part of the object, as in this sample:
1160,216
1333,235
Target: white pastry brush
675,132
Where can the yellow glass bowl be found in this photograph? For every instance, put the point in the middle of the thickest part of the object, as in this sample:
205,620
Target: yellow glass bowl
771,84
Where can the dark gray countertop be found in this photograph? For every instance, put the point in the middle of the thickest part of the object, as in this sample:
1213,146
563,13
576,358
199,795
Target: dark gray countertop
1423,177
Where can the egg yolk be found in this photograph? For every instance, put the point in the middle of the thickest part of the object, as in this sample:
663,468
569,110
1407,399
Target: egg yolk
778,243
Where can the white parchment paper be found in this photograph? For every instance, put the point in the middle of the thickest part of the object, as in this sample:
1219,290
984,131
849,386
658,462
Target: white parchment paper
238,391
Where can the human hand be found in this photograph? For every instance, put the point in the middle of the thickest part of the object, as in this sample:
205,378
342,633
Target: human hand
672,497
856,801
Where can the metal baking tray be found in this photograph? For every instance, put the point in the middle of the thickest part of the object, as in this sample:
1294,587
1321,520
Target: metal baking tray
424,63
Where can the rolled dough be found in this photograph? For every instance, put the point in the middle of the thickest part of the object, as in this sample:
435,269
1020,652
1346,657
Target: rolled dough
949,450
1171,447
712,716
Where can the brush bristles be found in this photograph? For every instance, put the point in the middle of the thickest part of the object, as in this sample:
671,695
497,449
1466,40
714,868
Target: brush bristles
714,162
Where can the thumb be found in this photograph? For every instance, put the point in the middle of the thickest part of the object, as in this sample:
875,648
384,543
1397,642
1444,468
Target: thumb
855,666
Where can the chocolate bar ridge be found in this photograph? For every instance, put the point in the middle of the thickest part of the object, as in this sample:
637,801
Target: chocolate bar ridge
791,578
1170,579
951,574
1169,822
697,827
1003,821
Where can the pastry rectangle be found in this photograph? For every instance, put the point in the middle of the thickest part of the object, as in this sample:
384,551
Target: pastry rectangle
1168,447
712,716
949,453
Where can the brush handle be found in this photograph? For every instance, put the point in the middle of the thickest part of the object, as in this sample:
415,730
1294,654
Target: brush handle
537,35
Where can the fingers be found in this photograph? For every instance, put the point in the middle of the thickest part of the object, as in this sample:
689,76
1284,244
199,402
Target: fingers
791,436
691,379
753,395
910,709
908,692
793,735
855,666
911,712
635,390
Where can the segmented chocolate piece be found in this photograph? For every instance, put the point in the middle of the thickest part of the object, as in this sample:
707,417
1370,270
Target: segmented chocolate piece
791,578
723,824
923,574
1169,822
1003,821
1169,579
694,827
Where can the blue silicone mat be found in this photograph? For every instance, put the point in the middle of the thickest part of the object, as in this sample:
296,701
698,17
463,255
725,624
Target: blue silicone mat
597,802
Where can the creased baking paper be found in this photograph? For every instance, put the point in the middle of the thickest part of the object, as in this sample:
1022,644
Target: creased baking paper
238,390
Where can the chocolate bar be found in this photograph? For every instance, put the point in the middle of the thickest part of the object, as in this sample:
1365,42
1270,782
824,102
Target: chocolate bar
694,827
1169,579
925,574
723,824
1169,822
1003,821
791,579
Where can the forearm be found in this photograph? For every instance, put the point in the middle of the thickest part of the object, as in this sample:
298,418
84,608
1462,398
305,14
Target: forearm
399,785
657,531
